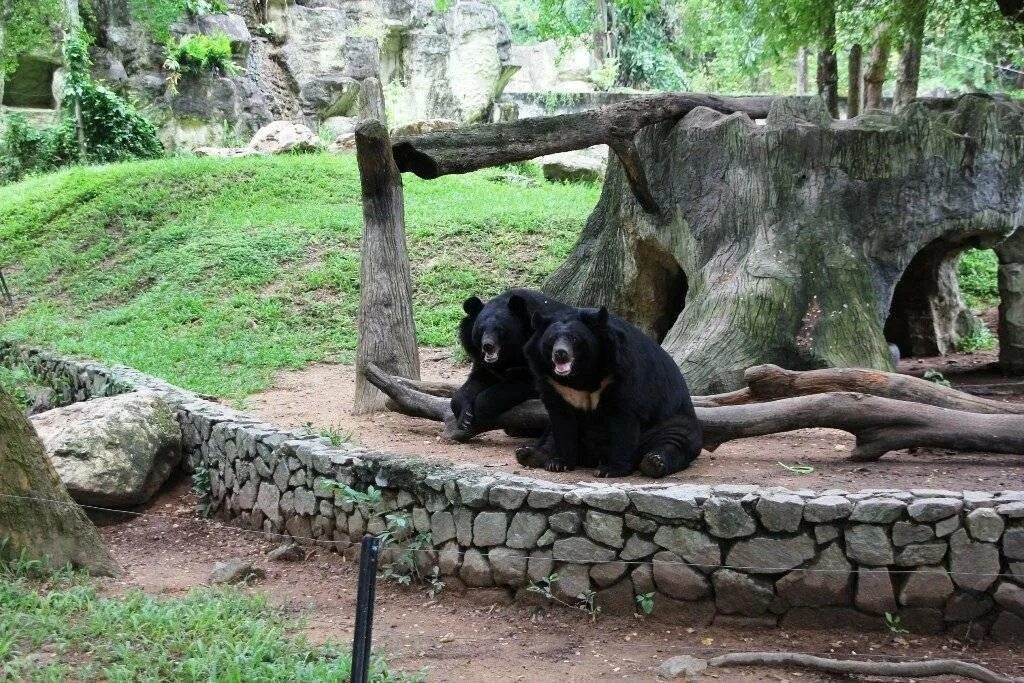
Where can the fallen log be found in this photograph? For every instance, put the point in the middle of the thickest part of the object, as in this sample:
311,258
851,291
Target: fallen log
879,424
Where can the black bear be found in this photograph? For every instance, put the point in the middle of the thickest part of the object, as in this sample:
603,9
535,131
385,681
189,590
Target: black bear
616,399
493,336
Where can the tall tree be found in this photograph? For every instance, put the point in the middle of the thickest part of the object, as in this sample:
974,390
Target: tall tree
878,64
908,73
37,516
828,65
801,71
853,87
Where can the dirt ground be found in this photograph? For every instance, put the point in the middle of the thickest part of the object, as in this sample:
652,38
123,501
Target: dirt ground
321,395
471,637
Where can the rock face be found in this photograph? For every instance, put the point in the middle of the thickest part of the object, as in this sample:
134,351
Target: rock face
586,165
112,452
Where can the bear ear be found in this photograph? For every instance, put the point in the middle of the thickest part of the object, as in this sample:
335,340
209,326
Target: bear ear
517,305
539,321
597,321
473,305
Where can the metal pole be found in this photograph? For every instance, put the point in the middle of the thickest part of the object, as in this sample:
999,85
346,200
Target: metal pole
8,299
367,588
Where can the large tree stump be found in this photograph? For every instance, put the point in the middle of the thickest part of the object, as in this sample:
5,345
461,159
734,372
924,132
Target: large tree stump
387,333
37,516
785,243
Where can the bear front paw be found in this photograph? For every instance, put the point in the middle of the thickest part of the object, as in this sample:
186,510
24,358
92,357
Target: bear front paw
557,465
531,456
653,465
606,471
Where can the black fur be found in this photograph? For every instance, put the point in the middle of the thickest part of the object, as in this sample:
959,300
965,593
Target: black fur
503,323
643,417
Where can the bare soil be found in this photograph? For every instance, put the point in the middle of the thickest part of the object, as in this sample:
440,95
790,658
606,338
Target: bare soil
321,396
475,636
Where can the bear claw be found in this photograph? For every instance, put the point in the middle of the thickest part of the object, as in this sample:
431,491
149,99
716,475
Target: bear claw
653,465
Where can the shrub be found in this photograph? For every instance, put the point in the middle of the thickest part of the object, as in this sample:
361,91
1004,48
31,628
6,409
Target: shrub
195,54
977,271
20,148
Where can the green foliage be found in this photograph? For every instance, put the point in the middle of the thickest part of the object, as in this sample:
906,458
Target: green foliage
937,377
645,601
158,15
202,491
17,382
980,338
27,25
895,624
196,54
217,273
66,630
978,273
585,601
22,148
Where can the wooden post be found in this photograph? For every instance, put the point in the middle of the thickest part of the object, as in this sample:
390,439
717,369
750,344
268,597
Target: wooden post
371,100
387,334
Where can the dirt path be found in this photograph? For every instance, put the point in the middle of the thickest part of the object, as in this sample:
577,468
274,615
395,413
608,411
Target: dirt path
321,396
471,637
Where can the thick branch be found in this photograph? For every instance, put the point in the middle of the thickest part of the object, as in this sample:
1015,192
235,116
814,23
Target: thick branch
932,667
467,149
634,168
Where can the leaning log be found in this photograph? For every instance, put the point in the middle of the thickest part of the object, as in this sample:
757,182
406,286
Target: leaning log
856,667
879,424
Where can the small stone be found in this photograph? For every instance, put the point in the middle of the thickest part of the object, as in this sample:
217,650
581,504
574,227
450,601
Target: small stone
826,533
421,521
934,509
507,496
874,590
677,580
726,518
473,492
442,527
604,528
607,573
735,490
644,526
540,565
606,498
547,538
869,544
967,606
565,522
449,559
920,554
268,502
489,529
542,499
827,509
877,510
770,555
972,564
780,511
926,587
682,666
617,599
738,593
905,533
947,526
637,549
305,501
476,571
1007,628
582,550
694,546
1017,570
1010,597
236,571
677,502
643,579
1013,543
525,529
978,499
826,581
464,526
508,566
287,552
1012,510
572,582
985,524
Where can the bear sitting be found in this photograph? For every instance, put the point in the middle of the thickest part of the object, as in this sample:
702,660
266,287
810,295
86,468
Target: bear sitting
494,336
617,401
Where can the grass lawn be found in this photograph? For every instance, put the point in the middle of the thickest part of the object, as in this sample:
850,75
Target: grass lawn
215,273
56,627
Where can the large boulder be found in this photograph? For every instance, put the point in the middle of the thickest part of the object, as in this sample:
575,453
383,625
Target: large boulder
112,452
279,137
582,165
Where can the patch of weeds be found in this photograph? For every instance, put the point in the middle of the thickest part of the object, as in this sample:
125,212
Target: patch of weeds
18,382
645,601
894,623
585,601
336,435
979,339
977,272
936,377
202,491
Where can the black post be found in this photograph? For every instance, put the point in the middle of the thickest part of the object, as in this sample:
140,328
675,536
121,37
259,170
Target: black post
8,299
367,588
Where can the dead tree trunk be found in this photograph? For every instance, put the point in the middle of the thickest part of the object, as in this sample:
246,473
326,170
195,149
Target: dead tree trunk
909,70
37,516
828,67
801,71
853,82
371,100
878,64
785,243
387,333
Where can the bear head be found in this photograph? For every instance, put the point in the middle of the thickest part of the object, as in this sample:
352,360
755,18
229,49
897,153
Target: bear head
496,335
572,346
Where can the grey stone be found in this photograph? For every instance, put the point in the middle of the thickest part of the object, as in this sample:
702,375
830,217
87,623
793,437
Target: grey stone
644,526
763,555
268,502
1010,597
682,666
489,529
299,527
540,565
305,501
565,522
421,521
582,550
934,509
606,498
473,492
572,582
926,587
637,549
236,571
356,524
726,518
449,559
1013,543
607,573
978,499
972,564
905,533
643,579
735,490
476,571
1012,510
525,529
739,593
1007,628
827,509
677,502
919,554
946,526
869,544
464,526
616,599
780,511
877,510
508,566
677,580
541,499
507,496
247,495
826,533
923,619
967,606
442,527
287,552
1017,570
604,528
875,593
547,538
826,581
281,475
985,524
694,546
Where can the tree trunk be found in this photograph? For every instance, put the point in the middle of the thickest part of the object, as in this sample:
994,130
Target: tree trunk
785,243
1011,305
387,333
909,70
80,131
801,71
601,48
57,528
828,67
371,100
878,64
853,83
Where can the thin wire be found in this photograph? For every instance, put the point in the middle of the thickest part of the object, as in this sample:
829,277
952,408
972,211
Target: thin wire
974,59
462,553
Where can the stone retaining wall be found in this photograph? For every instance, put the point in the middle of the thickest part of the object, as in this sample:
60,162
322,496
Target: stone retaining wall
732,553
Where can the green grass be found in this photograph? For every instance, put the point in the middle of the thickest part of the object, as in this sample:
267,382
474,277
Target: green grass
216,273
17,382
56,627
977,272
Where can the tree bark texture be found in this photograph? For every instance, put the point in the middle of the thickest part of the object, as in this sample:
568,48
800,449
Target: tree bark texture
878,64
387,333
909,70
371,100
860,667
53,527
784,243
828,66
1011,304
801,71
853,83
